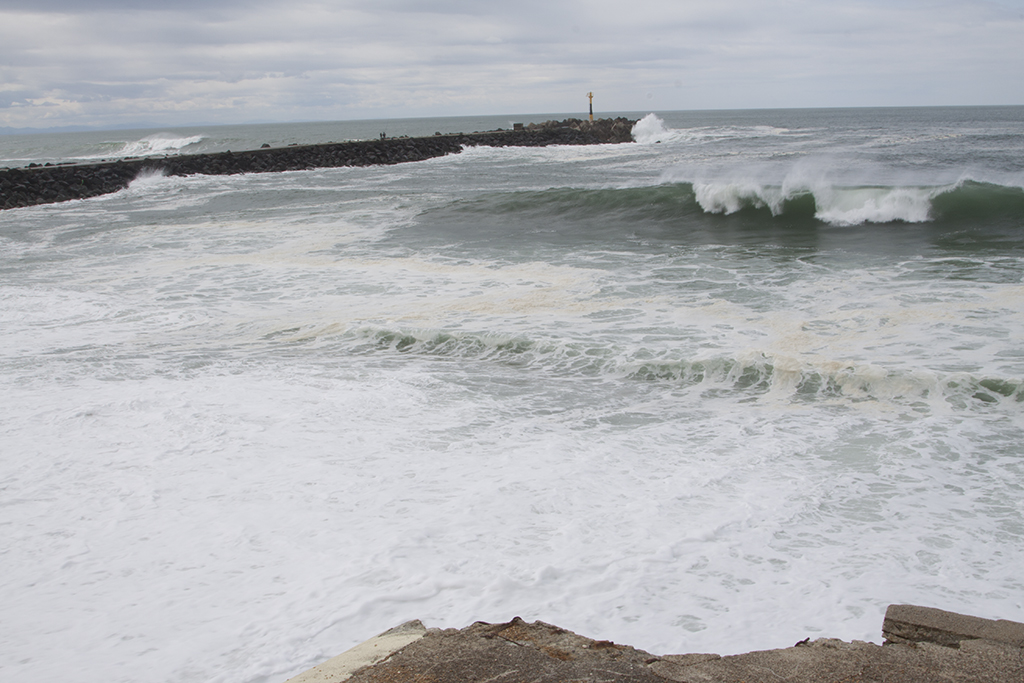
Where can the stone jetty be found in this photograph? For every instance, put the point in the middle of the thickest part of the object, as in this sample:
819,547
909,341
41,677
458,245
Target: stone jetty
42,184
922,645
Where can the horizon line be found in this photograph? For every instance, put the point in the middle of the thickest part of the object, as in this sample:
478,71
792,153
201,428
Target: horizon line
144,125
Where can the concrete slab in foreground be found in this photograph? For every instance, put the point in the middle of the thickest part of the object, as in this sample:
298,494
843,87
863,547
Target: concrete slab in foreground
366,654
923,645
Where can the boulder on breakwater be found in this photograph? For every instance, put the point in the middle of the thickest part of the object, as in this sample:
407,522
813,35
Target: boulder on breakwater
62,182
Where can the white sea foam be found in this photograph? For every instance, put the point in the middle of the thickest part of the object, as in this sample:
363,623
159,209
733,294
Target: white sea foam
160,143
151,145
650,129
834,205
358,485
853,206
147,177
156,144
730,197
250,421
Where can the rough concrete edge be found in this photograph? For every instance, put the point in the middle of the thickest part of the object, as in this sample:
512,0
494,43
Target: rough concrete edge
914,624
903,624
367,653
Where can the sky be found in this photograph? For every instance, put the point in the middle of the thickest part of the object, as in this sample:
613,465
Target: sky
118,63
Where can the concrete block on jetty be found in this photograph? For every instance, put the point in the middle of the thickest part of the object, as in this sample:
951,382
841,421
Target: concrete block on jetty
62,182
934,646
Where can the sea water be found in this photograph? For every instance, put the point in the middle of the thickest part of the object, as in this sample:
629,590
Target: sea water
746,381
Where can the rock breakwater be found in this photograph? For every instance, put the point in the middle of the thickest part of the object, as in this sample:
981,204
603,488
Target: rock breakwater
36,184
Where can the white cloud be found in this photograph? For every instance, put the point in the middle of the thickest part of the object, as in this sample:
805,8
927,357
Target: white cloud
106,62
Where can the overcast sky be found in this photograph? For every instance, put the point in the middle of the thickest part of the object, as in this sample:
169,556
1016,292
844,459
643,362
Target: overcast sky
111,63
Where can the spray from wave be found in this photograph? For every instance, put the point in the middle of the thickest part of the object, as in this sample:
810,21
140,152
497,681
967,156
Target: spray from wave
147,178
157,144
649,130
836,192
847,206
968,203
160,143
837,186
833,205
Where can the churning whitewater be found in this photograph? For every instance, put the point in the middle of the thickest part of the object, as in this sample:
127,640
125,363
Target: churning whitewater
748,380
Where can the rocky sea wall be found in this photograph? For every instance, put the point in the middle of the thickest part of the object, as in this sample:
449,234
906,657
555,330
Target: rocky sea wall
48,183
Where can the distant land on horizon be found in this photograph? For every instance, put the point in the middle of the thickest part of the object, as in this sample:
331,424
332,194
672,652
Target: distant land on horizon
144,125
6,130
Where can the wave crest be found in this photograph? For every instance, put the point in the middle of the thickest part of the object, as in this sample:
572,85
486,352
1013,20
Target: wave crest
649,130
728,198
756,373
159,143
846,206
967,202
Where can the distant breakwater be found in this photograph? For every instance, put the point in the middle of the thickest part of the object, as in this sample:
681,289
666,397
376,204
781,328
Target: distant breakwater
44,184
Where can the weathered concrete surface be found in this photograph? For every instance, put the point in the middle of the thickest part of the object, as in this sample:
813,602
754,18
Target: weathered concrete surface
365,654
912,624
518,652
827,660
62,182
515,651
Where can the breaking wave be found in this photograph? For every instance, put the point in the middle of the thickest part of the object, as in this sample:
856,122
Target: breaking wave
651,130
160,143
157,144
967,202
753,373
806,187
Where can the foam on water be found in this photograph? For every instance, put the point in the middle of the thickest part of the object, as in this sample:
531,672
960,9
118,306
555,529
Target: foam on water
833,205
853,206
250,421
651,130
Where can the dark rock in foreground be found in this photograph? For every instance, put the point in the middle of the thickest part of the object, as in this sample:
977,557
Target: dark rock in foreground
46,184
934,647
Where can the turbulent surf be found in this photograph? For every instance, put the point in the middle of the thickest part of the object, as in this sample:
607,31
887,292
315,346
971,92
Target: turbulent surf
749,379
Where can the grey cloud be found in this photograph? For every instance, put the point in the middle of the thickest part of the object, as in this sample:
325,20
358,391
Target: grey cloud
8,100
87,6
361,59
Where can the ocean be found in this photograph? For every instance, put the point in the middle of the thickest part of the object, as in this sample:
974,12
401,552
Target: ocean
749,380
